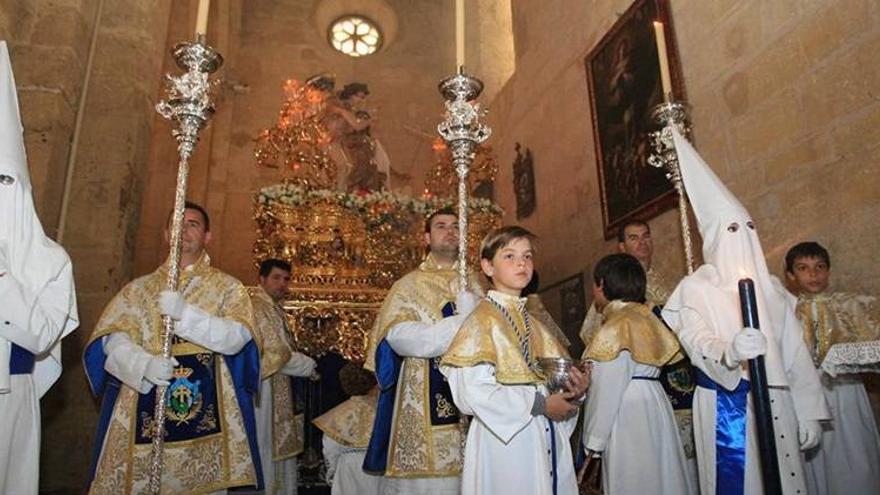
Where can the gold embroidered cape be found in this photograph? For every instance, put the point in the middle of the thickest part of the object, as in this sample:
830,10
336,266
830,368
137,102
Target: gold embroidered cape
633,327
657,291
271,323
351,422
195,466
836,318
417,448
487,337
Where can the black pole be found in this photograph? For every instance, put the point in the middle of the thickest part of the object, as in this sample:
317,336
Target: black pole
760,396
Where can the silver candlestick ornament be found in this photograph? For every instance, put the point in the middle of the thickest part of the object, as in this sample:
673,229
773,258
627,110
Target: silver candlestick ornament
669,116
189,106
462,131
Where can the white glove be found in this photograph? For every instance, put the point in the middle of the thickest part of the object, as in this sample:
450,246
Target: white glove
159,370
749,343
465,302
809,433
171,304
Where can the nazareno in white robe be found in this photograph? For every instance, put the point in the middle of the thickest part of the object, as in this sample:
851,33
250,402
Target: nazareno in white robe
704,311
630,421
848,458
509,451
37,301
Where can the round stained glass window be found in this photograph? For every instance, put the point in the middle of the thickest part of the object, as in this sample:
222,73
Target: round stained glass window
355,36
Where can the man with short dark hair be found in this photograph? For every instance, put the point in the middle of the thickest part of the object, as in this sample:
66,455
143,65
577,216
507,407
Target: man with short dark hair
211,378
279,429
416,440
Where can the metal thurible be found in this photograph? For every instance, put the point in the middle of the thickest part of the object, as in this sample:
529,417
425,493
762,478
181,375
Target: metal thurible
462,131
669,116
189,107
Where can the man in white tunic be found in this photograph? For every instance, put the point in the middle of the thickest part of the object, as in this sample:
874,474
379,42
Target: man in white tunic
279,429
704,310
37,303
416,438
212,377
848,458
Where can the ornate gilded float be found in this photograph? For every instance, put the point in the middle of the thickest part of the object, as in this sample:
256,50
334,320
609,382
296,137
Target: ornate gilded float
346,248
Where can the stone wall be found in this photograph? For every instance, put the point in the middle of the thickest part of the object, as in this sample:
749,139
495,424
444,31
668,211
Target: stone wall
785,110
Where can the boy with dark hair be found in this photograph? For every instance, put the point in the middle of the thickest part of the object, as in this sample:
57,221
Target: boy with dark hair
347,429
848,458
617,277
628,419
518,439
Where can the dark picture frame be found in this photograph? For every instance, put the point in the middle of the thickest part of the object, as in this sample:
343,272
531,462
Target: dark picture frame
524,182
623,76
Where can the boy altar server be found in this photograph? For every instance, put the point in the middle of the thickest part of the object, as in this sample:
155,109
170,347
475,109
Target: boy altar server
848,458
628,418
518,441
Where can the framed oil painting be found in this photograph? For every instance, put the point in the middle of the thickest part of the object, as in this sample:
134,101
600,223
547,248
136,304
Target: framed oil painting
524,182
623,75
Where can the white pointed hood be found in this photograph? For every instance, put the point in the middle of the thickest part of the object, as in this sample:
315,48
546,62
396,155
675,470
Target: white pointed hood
731,251
35,262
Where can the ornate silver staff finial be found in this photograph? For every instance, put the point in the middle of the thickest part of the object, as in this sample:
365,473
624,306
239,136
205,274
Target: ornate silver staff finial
673,115
462,131
189,107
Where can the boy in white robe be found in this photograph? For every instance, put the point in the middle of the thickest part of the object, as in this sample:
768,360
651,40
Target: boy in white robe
629,419
518,441
848,458
347,429
704,311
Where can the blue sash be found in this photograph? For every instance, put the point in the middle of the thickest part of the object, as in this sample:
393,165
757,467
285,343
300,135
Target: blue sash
730,434
388,365
21,361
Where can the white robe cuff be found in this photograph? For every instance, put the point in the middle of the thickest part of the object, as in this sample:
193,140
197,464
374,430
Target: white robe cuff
299,365
424,340
707,350
127,361
216,334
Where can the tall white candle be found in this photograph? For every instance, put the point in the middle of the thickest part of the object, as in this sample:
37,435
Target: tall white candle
459,34
665,79
202,17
